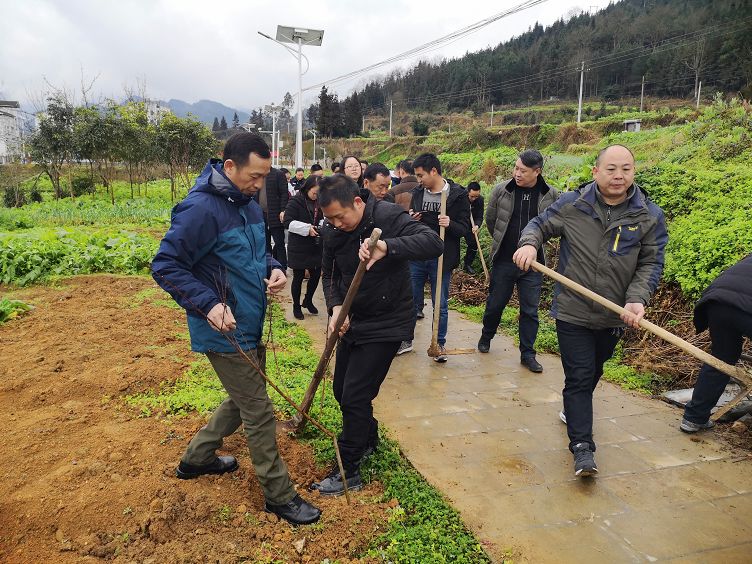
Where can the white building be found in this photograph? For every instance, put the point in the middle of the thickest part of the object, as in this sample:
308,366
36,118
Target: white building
155,111
10,131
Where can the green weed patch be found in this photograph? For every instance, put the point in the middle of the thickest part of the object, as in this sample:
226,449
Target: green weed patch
11,309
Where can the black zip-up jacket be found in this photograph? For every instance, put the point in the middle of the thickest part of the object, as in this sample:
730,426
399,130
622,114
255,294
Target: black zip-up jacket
458,210
732,287
383,309
303,251
277,196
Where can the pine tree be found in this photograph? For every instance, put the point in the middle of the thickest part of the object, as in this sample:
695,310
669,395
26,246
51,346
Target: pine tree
215,125
223,124
235,121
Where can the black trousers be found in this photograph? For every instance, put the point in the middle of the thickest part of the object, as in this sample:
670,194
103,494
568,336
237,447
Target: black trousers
504,276
583,353
728,326
278,251
472,249
298,275
358,374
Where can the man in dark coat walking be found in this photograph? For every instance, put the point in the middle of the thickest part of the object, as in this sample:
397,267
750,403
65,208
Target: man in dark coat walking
725,308
381,316
273,199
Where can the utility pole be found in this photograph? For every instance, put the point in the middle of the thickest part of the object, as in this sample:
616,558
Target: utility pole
492,115
363,127
274,110
390,118
582,80
699,89
642,92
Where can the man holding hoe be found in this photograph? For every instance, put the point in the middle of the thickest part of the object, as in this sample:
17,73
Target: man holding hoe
612,242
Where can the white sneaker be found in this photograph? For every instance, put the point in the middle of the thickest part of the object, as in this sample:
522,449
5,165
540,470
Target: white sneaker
405,347
563,417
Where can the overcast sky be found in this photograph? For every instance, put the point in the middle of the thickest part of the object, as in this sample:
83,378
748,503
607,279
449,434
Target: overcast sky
193,49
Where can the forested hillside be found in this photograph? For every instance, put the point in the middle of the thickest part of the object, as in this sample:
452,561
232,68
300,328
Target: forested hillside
674,44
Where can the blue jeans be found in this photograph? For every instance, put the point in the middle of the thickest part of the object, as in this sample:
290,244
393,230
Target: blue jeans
504,276
419,271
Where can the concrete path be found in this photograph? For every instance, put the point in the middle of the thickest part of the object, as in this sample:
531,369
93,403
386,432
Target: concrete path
486,432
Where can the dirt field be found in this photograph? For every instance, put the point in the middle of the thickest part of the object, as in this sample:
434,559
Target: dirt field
84,478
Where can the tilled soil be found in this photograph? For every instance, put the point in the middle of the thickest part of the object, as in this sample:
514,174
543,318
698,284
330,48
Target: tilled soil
84,478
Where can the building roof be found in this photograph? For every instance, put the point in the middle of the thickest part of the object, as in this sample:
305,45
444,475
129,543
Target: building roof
9,104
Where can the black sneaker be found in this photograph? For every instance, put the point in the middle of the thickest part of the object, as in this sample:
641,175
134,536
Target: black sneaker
469,269
484,345
308,304
333,485
297,312
420,314
297,511
405,347
584,462
219,465
531,364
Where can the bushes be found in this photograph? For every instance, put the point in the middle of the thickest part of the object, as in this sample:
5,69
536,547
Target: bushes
36,255
10,309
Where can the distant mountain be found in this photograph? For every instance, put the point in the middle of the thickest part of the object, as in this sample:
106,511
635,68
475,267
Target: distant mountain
205,110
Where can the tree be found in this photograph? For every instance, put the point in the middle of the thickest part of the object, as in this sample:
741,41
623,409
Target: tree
183,143
353,116
235,121
51,145
223,124
215,125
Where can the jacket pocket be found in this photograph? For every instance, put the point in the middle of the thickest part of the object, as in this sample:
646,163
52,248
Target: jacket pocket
625,239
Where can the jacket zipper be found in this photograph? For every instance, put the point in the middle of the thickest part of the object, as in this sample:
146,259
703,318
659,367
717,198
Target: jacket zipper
616,239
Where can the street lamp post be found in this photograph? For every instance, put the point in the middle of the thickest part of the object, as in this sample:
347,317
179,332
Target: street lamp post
298,36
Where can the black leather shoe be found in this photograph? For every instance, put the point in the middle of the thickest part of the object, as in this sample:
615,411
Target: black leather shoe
469,269
531,364
334,485
484,345
297,313
297,511
220,465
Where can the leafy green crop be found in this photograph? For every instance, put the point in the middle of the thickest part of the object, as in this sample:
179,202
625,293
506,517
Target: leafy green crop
35,255
10,309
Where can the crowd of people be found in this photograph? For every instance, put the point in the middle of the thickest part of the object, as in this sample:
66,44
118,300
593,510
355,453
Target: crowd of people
244,224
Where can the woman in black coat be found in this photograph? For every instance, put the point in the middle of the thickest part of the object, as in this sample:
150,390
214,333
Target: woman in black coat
303,218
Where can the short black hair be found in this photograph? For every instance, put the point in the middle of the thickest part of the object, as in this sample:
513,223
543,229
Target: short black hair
335,166
474,186
284,171
364,162
531,158
239,147
427,161
407,166
372,170
600,153
338,188
316,167
299,169
309,183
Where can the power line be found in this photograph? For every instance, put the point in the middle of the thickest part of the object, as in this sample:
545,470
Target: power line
431,45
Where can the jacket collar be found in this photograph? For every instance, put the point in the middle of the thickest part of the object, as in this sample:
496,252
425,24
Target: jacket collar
541,185
635,198
214,181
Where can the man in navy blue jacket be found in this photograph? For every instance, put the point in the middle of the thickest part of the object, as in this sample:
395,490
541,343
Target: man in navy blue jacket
213,261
